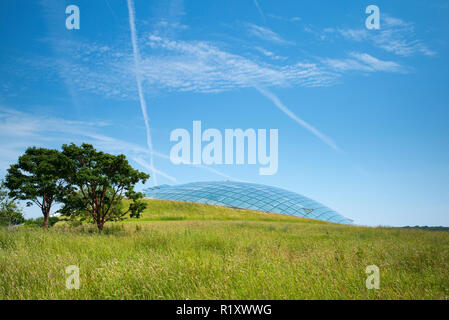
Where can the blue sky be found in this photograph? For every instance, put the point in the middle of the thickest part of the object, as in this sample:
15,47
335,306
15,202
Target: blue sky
362,114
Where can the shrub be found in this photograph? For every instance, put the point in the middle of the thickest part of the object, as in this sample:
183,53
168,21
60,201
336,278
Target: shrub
10,212
39,222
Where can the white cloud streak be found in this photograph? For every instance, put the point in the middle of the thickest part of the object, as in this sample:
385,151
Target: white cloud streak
215,171
277,102
256,3
265,34
363,62
292,19
110,9
137,65
395,36
202,67
192,66
269,54
144,164
19,130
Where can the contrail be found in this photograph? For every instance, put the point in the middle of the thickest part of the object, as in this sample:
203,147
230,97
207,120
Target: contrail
294,117
110,9
260,10
148,167
143,105
219,173
210,169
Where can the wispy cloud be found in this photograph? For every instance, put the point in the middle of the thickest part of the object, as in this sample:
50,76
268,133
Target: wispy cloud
277,102
269,54
352,34
15,123
203,67
376,64
395,36
19,130
292,19
137,64
172,65
265,34
363,62
166,64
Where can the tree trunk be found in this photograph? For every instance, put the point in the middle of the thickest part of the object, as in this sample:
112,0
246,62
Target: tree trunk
46,216
46,206
100,225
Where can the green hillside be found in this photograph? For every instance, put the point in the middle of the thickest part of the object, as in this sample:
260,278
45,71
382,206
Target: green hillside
177,210
191,251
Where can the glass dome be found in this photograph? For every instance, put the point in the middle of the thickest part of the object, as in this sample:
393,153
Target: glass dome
247,196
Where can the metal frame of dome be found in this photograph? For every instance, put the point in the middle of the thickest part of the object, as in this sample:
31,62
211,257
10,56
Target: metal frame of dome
251,196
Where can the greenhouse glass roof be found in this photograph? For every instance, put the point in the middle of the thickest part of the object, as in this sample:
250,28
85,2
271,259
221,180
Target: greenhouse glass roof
247,196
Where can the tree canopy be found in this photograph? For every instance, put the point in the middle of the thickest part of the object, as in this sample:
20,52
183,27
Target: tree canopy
98,182
37,178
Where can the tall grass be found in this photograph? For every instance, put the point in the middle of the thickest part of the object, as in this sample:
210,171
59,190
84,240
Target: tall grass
220,259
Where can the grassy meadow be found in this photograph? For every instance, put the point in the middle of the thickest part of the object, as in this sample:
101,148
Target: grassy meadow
192,251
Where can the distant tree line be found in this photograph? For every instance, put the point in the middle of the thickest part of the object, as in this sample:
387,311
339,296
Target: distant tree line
89,184
436,228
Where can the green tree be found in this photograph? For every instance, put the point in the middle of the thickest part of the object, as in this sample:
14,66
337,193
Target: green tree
37,178
99,182
10,212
